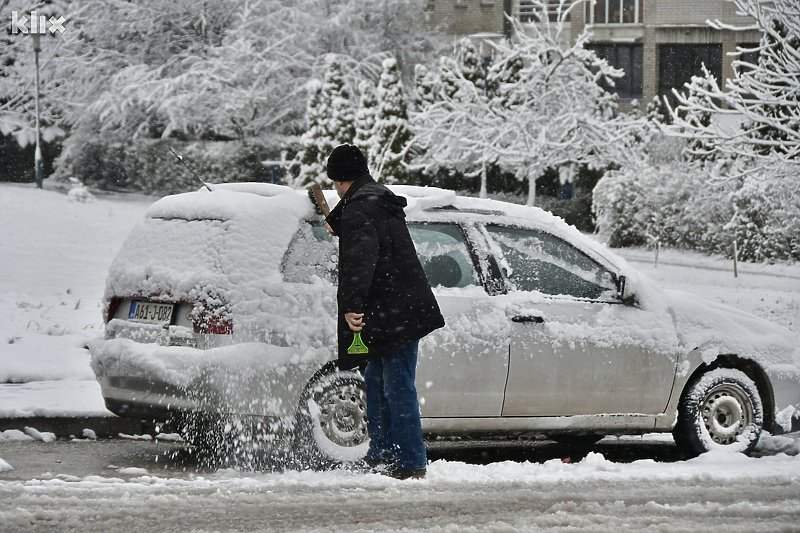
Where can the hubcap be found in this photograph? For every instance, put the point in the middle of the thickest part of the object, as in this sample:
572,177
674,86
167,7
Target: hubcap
727,412
343,415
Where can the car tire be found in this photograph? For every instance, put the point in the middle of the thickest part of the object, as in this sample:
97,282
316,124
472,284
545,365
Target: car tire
720,409
331,423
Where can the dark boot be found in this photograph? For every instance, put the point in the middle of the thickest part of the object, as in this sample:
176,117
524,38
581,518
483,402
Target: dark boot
402,473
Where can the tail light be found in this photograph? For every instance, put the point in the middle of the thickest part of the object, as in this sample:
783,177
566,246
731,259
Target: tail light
111,309
216,321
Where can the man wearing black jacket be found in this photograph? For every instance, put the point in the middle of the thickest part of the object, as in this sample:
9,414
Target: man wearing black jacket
383,294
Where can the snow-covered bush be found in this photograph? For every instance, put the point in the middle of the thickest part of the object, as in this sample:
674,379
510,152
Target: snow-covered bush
78,192
766,214
664,196
147,165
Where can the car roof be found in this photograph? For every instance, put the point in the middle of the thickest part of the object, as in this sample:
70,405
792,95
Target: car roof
228,201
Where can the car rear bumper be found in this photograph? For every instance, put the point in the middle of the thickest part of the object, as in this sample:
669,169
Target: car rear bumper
150,381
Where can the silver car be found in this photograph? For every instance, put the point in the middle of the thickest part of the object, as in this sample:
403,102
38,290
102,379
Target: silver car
223,303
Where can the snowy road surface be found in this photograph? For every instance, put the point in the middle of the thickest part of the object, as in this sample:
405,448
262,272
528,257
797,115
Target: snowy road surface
143,487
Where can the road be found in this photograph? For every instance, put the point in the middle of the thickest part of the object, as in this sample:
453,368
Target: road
113,485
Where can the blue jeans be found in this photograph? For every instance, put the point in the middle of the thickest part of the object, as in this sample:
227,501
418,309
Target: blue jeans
395,431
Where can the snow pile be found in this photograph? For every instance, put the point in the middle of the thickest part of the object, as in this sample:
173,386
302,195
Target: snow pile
776,444
133,471
43,436
30,434
4,466
169,437
134,437
78,192
14,435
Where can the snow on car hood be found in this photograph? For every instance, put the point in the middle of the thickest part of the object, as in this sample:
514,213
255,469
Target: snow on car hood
714,328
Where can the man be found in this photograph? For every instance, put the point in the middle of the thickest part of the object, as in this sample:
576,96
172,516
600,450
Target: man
383,294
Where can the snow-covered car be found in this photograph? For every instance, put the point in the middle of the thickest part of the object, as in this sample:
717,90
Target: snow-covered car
223,302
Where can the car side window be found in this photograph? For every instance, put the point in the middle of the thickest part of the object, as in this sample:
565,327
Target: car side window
442,250
538,261
312,252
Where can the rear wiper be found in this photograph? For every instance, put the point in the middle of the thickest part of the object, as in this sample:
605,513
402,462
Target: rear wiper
179,157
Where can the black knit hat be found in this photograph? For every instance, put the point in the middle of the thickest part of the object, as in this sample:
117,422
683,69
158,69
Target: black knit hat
346,163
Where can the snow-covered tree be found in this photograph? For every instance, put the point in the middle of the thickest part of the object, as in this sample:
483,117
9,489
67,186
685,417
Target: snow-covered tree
544,107
365,116
469,62
230,69
336,113
309,164
391,133
765,95
425,87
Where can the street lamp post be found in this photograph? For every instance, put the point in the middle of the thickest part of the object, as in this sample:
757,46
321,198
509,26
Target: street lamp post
38,162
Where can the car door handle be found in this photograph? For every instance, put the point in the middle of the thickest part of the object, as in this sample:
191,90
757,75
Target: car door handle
527,318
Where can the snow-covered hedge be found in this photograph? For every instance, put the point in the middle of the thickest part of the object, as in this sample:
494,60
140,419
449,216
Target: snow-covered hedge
148,166
689,205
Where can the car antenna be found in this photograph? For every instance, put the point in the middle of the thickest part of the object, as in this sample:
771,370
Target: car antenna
179,157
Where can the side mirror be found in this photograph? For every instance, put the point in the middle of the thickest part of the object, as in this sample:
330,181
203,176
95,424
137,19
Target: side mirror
626,298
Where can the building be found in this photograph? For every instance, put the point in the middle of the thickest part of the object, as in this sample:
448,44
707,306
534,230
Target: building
660,44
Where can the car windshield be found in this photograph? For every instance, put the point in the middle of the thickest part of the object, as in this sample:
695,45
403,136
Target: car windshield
538,261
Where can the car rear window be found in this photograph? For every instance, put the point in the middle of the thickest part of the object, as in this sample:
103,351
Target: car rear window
312,252
167,247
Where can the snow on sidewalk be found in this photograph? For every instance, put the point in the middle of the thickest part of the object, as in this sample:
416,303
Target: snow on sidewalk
67,397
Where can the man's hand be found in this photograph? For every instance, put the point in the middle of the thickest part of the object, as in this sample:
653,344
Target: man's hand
355,321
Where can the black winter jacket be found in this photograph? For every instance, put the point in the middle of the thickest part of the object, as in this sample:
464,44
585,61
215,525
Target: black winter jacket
379,273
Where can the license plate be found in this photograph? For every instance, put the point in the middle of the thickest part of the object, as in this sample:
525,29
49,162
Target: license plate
152,312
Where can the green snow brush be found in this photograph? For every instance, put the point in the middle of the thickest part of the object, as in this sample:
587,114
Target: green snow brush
357,347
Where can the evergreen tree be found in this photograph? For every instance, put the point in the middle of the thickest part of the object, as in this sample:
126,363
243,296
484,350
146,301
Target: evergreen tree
469,62
337,108
365,117
449,76
503,81
309,165
391,132
425,87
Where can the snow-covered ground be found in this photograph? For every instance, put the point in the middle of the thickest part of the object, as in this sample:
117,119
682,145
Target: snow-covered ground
715,492
767,291
56,253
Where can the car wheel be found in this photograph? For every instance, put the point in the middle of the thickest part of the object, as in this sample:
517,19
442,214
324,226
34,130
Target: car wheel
331,426
721,409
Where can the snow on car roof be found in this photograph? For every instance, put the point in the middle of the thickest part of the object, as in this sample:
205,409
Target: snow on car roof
249,200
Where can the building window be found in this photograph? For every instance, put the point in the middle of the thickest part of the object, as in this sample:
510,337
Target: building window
627,57
677,63
614,12
750,55
527,11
